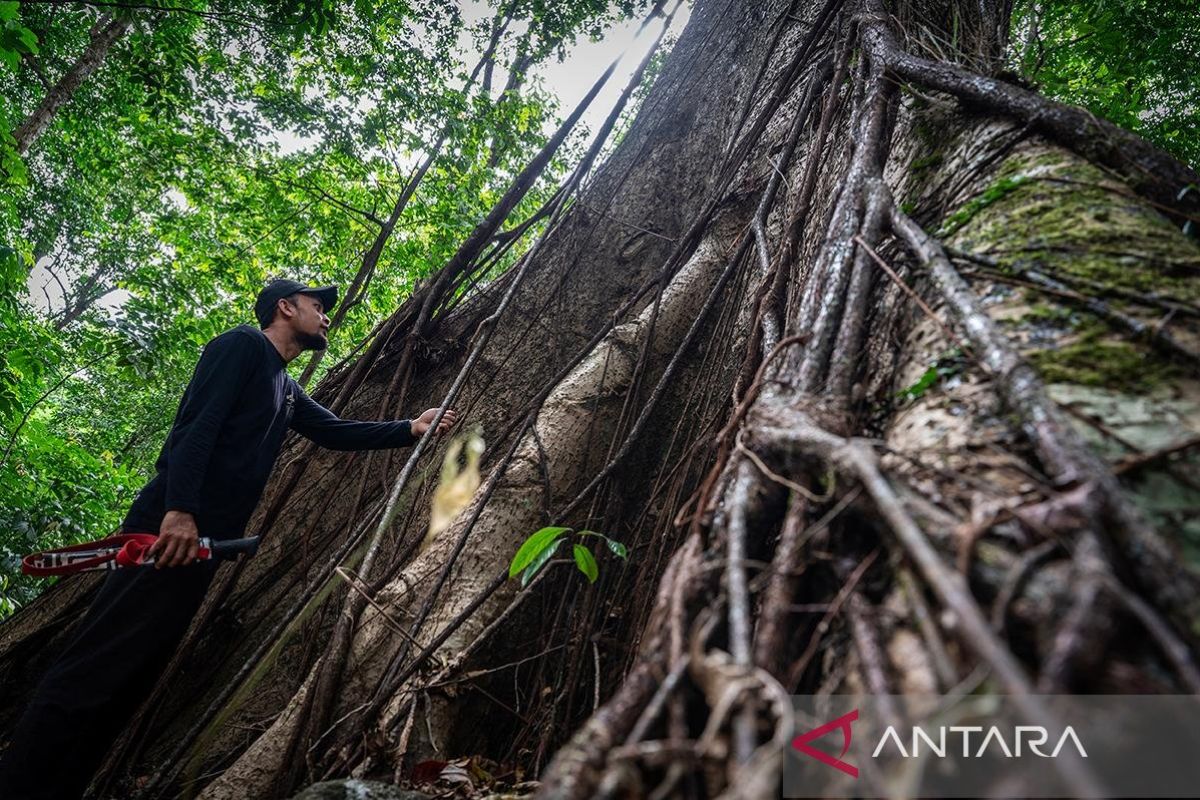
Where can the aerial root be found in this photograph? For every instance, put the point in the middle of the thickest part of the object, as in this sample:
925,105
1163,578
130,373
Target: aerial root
787,433
1098,499
1148,170
773,441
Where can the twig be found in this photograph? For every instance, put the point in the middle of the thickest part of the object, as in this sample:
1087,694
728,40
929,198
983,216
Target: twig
775,477
1077,646
1173,647
596,685
871,659
796,671
949,333
478,673
943,666
1155,335
352,581
654,707
1149,299
777,600
342,204
1136,461
739,600
1015,579
627,224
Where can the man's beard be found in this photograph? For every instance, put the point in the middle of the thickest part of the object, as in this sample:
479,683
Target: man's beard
311,341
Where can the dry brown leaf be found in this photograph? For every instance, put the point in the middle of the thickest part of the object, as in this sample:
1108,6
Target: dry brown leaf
457,486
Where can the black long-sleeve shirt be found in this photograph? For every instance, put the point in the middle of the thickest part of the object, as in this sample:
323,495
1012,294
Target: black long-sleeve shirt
228,431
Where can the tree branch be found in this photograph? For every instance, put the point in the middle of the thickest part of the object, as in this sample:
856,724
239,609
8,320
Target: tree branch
1150,171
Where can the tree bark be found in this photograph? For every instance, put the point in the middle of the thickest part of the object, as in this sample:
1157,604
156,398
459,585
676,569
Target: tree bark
775,349
104,34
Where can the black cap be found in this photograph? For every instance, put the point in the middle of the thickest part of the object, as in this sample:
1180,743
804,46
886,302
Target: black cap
273,292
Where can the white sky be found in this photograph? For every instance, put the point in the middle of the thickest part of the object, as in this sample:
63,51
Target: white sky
569,79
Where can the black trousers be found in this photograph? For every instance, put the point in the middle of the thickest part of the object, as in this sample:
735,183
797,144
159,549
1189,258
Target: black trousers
90,692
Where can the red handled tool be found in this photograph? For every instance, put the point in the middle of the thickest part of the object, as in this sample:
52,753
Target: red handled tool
122,550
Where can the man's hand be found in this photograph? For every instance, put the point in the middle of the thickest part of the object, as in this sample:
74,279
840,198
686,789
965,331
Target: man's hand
422,423
178,540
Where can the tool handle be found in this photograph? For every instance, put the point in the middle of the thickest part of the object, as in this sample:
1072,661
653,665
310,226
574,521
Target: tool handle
230,548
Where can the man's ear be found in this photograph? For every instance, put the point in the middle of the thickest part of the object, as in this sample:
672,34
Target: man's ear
285,307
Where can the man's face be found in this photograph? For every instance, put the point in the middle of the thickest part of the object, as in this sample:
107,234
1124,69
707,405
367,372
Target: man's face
309,325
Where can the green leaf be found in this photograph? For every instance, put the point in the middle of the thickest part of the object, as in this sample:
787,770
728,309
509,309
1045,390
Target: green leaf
533,547
928,379
538,562
618,549
945,367
27,41
586,563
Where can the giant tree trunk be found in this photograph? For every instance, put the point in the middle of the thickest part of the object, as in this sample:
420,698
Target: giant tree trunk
744,355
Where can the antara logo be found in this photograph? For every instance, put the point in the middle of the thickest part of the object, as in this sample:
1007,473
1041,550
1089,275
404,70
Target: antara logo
1031,736
1025,739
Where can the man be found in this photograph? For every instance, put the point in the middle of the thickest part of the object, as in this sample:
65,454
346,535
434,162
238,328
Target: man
210,474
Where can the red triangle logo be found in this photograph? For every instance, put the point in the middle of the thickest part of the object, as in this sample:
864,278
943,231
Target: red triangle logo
842,723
